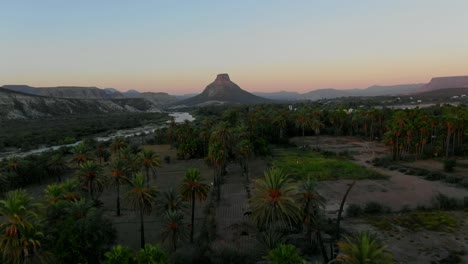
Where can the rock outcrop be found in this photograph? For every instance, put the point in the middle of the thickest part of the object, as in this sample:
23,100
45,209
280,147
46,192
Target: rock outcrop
223,91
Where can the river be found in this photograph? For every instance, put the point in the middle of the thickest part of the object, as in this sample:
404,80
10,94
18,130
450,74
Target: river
179,117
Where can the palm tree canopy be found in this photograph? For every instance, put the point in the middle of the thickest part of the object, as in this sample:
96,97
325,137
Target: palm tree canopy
141,198
274,200
170,200
193,183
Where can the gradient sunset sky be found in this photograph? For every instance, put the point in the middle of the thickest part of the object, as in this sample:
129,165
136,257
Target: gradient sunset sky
180,46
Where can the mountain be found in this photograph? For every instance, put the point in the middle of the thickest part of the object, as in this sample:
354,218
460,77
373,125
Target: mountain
18,105
279,96
223,91
131,94
375,90
159,99
438,83
75,92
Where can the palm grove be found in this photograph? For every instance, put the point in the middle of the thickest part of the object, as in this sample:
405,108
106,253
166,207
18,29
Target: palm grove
68,224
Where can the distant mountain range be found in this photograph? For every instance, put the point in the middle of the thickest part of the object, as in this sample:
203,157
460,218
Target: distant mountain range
23,101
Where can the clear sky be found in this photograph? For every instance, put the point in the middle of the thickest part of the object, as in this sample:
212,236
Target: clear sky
180,46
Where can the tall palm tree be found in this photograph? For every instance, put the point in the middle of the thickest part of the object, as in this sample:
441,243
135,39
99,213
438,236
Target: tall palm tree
91,178
142,199
56,165
19,236
118,177
170,200
175,227
311,204
150,161
191,188
118,144
274,200
363,248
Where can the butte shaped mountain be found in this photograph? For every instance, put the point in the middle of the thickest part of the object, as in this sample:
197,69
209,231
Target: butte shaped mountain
223,91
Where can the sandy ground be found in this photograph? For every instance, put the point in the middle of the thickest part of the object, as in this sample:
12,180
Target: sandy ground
399,190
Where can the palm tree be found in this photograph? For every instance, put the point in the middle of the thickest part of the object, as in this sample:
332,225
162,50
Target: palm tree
142,199
80,153
150,161
170,200
217,157
118,176
274,200
118,144
363,248
19,237
192,187
56,165
91,178
311,204
174,227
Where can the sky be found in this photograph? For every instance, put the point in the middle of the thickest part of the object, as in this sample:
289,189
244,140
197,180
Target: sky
180,46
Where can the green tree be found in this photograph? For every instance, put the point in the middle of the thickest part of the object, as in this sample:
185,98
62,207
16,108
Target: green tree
77,232
119,255
142,200
274,200
152,255
191,188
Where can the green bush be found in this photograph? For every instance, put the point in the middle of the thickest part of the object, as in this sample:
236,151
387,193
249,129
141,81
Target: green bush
354,210
284,254
443,202
449,165
372,208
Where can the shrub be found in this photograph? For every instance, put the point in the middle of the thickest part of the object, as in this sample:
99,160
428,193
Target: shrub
284,254
453,179
152,254
449,165
375,208
167,159
435,176
354,210
443,202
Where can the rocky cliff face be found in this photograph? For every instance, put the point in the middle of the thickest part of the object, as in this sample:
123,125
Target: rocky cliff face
15,105
438,83
223,91
74,92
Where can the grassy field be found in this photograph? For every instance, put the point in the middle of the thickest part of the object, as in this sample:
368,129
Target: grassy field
301,164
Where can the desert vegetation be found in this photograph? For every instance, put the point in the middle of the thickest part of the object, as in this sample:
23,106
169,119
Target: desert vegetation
239,184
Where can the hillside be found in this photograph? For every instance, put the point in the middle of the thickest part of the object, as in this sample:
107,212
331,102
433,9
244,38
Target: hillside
74,92
17,105
438,83
375,90
223,91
